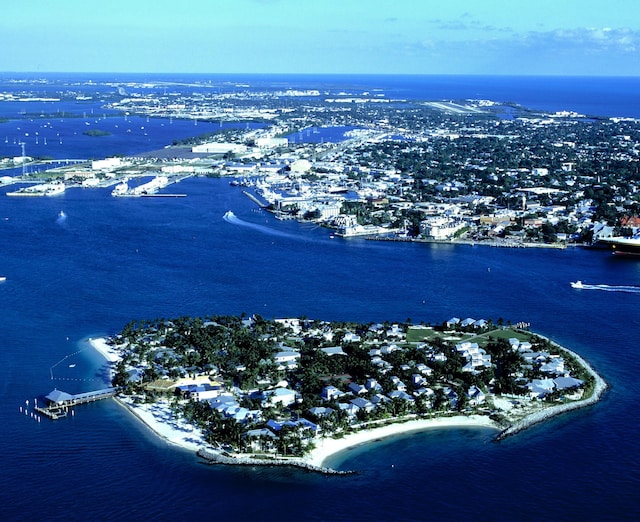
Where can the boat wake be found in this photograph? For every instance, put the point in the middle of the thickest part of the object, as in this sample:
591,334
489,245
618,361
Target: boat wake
230,217
607,288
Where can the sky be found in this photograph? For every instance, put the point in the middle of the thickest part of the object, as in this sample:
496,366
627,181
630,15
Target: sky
517,37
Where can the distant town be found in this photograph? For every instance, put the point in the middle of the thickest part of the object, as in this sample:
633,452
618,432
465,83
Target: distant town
365,165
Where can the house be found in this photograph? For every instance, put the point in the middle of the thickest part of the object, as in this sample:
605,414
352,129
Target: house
363,404
564,383
201,392
454,321
262,439
395,331
400,394
330,392
223,402
540,387
424,369
320,411
333,350
274,425
287,359
440,357
475,395
398,384
58,397
350,409
350,337
417,380
379,398
356,388
238,414
389,349
282,396
451,396
555,366
372,384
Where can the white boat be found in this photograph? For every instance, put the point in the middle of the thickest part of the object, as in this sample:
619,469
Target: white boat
577,284
2,278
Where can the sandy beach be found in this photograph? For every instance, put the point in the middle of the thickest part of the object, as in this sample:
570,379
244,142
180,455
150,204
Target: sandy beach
101,346
326,447
160,418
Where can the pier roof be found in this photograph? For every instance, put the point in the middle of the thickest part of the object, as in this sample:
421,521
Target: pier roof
59,397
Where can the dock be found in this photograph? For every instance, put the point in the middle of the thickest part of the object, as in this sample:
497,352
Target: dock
255,199
60,402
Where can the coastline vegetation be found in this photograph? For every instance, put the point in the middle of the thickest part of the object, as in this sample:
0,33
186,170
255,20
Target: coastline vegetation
273,386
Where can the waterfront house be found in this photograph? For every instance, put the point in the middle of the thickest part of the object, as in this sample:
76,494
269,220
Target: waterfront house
476,395
350,409
555,366
454,321
467,322
363,404
540,387
564,383
262,439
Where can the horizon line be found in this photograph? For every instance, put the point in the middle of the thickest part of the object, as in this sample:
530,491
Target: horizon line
527,75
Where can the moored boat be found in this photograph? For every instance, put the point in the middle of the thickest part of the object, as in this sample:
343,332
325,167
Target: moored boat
624,246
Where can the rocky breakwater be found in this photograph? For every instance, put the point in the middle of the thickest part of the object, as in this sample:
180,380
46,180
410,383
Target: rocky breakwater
214,457
599,387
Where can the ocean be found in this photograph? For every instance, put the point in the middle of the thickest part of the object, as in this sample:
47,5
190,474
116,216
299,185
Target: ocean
112,260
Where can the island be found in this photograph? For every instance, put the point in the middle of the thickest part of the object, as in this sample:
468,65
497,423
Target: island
250,390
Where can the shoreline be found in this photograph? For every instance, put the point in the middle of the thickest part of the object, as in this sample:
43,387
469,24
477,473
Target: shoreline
328,447
161,420
100,345
599,388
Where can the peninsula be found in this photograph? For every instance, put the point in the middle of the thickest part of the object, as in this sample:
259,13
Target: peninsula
247,390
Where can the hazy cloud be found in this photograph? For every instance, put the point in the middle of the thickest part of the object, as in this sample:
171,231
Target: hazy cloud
592,39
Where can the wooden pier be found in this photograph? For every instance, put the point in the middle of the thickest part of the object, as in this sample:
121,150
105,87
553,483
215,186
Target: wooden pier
60,403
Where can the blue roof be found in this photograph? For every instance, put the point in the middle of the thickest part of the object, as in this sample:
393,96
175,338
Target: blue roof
59,396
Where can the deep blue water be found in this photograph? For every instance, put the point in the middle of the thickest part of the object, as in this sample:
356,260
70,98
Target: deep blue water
112,260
